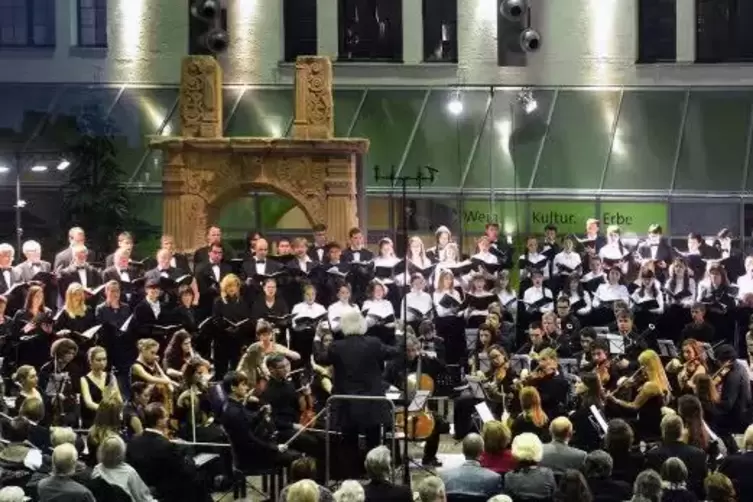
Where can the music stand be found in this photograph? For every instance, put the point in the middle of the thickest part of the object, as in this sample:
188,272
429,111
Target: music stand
520,362
569,365
616,344
477,390
667,348
598,419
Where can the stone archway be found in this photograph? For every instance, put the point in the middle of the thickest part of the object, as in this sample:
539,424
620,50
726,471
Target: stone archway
204,170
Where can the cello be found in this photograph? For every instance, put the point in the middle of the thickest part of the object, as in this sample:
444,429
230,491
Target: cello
420,422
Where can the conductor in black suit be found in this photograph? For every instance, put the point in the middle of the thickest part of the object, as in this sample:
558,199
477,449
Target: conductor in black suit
357,362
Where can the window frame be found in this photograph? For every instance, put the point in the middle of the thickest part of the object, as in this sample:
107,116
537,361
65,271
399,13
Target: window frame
342,46
454,51
31,18
95,8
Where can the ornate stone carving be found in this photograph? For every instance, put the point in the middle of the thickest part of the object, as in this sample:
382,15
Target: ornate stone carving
194,214
201,98
313,106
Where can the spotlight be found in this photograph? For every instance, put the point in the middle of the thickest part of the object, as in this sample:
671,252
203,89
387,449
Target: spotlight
527,101
4,169
217,41
205,9
39,168
213,37
530,40
455,105
513,10
64,164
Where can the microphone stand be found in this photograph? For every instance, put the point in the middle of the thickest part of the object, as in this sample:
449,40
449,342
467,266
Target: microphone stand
423,175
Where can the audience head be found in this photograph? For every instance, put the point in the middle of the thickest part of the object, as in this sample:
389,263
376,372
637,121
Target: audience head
648,485
619,437
598,465
573,487
561,429
350,491
496,436
32,409
62,435
719,488
112,451
431,489
352,322
12,494
303,468
671,428
527,449
500,498
304,490
378,463
674,472
18,432
473,446
64,458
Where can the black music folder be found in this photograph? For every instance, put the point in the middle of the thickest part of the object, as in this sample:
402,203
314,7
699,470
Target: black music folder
43,279
302,323
462,268
593,284
86,335
567,270
94,291
480,302
647,305
284,259
530,266
680,295
450,302
417,313
539,303
580,304
489,268
378,320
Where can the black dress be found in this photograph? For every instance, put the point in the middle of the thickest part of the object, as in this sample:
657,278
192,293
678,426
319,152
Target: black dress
229,340
96,393
151,371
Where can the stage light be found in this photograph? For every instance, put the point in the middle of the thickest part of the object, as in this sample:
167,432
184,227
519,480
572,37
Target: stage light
455,105
4,169
63,165
39,168
514,10
530,40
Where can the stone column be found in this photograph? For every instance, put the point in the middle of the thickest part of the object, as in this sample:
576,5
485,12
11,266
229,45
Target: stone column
201,98
172,186
314,117
342,210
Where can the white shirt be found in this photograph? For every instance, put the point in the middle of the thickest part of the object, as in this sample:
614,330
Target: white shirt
304,309
8,277
570,260
82,277
609,293
745,283
381,309
574,297
612,252
320,253
156,308
335,312
534,294
260,267
508,300
537,259
123,275
440,310
216,272
173,263
356,256
303,264
421,301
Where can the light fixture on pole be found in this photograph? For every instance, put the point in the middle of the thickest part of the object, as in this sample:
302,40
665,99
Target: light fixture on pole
4,169
39,168
63,165
455,105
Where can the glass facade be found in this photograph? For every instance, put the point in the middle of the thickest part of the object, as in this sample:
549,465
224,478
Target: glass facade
523,159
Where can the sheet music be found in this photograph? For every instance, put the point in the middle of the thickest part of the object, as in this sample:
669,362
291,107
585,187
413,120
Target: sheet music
484,413
599,418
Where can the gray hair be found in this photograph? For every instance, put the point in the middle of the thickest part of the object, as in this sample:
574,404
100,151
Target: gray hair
378,463
352,322
527,447
112,451
350,491
473,446
304,490
62,435
31,246
431,489
12,494
674,471
64,459
648,485
500,498
7,248
598,465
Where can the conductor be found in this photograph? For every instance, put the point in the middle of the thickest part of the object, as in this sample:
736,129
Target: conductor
357,361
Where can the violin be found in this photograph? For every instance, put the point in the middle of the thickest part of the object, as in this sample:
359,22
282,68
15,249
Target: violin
718,377
306,405
603,371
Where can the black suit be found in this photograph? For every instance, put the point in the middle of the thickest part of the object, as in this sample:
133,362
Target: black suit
209,286
357,362
70,274
111,273
144,320
201,256
734,401
738,468
162,465
14,277
315,252
384,491
364,254
693,457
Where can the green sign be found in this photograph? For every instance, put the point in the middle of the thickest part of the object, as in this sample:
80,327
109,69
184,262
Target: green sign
569,217
508,214
633,217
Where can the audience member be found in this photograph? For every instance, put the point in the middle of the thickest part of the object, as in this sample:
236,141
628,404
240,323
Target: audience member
675,477
59,487
378,466
672,446
305,468
529,480
573,488
738,467
350,491
618,442
497,455
431,489
470,478
304,490
113,468
557,454
598,471
719,488
647,486
12,494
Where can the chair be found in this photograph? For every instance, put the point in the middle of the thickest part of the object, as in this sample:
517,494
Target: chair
272,478
102,490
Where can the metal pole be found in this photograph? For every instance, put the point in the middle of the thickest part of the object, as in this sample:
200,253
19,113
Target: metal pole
19,229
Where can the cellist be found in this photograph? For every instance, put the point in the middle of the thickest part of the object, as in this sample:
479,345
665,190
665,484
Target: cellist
431,366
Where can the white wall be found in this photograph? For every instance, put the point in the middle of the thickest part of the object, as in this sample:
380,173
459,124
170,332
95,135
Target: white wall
586,42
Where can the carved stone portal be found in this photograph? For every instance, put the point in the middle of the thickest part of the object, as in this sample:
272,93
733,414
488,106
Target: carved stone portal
204,170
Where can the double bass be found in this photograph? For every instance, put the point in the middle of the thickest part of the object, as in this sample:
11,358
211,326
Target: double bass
421,422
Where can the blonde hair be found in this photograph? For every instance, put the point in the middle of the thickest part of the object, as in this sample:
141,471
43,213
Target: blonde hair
530,402
527,448
71,297
304,490
649,360
147,344
226,282
93,352
496,436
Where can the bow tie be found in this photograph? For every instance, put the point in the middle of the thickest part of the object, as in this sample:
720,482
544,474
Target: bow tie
164,270
261,262
80,267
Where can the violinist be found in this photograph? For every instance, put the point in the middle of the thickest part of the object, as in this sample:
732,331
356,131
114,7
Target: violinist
195,378
536,341
652,391
479,359
693,363
252,363
59,379
552,386
498,384
283,398
733,381
178,353
602,365
394,375
146,369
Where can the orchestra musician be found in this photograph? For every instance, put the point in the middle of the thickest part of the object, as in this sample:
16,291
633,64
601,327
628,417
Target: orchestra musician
59,378
97,385
693,363
252,364
733,383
